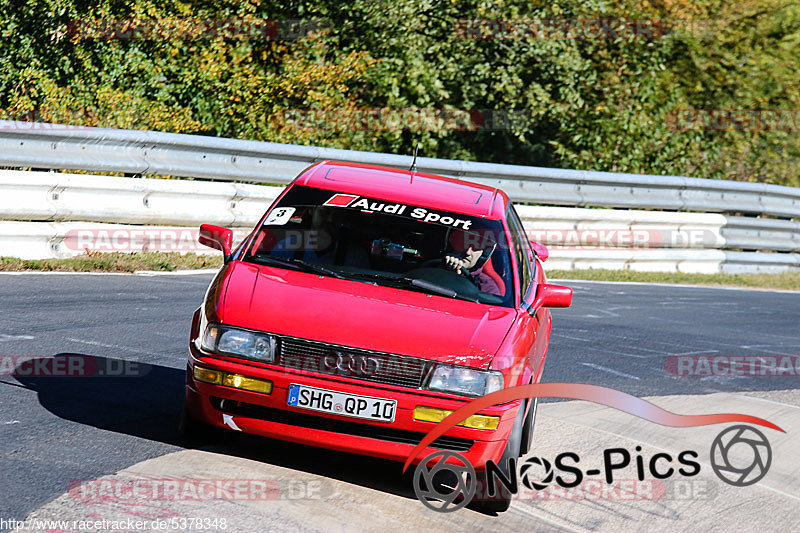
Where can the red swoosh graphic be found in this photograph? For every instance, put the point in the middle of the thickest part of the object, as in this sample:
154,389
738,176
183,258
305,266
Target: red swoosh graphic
579,391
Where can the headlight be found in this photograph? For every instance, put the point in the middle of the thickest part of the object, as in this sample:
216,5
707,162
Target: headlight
239,342
464,380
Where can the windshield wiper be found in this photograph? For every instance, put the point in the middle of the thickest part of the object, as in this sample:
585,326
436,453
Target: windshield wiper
413,283
403,281
303,265
320,269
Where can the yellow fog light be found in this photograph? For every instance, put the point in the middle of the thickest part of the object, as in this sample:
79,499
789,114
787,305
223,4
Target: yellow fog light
430,414
433,414
238,381
482,422
207,375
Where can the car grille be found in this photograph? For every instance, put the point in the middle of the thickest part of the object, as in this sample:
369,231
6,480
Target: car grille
357,429
353,363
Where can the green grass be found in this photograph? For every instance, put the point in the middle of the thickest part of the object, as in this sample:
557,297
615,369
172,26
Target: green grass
786,281
114,262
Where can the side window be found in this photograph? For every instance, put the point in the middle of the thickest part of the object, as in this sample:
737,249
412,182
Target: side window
521,249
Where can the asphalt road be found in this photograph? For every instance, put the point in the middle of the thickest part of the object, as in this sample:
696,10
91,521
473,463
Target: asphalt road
54,431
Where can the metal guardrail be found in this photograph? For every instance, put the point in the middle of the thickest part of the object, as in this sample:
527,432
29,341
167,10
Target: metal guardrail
746,233
57,197
55,206
50,214
51,146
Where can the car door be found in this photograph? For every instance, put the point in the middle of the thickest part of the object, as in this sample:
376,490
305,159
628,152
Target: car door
542,316
532,327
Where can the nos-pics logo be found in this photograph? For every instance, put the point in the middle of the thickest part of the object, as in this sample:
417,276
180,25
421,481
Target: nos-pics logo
445,481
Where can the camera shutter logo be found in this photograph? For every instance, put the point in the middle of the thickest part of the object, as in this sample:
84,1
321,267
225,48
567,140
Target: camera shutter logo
525,473
731,460
456,481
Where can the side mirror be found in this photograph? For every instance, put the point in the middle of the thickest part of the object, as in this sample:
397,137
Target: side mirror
548,295
216,237
541,250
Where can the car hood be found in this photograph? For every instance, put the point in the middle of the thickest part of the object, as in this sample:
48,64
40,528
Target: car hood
363,315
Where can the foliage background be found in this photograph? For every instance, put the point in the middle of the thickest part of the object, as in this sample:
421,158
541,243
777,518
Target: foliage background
587,104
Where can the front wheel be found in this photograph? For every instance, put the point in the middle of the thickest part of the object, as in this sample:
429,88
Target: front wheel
501,500
190,431
527,433
193,433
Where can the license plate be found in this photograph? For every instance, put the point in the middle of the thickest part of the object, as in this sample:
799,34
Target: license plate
342,403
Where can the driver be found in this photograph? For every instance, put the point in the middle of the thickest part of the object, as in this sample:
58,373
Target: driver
469,266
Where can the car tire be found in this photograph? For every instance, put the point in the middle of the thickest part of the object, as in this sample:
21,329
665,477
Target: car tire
193,433
501,501
527,432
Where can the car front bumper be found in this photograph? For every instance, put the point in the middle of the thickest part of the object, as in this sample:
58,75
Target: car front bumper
269,415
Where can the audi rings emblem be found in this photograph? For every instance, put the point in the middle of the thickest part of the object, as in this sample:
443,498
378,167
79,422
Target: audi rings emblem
348,364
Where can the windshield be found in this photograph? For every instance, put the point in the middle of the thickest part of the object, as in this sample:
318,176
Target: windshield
385,243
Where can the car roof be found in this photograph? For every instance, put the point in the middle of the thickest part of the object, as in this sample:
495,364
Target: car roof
409,187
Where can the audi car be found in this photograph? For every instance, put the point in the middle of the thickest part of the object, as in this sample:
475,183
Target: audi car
367,304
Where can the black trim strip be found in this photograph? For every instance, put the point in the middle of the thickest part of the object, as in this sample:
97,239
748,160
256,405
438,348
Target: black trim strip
378,432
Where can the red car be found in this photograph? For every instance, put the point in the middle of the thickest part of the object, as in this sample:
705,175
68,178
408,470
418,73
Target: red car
367,304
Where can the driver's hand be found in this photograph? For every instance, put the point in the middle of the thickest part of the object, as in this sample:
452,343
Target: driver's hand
457,263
